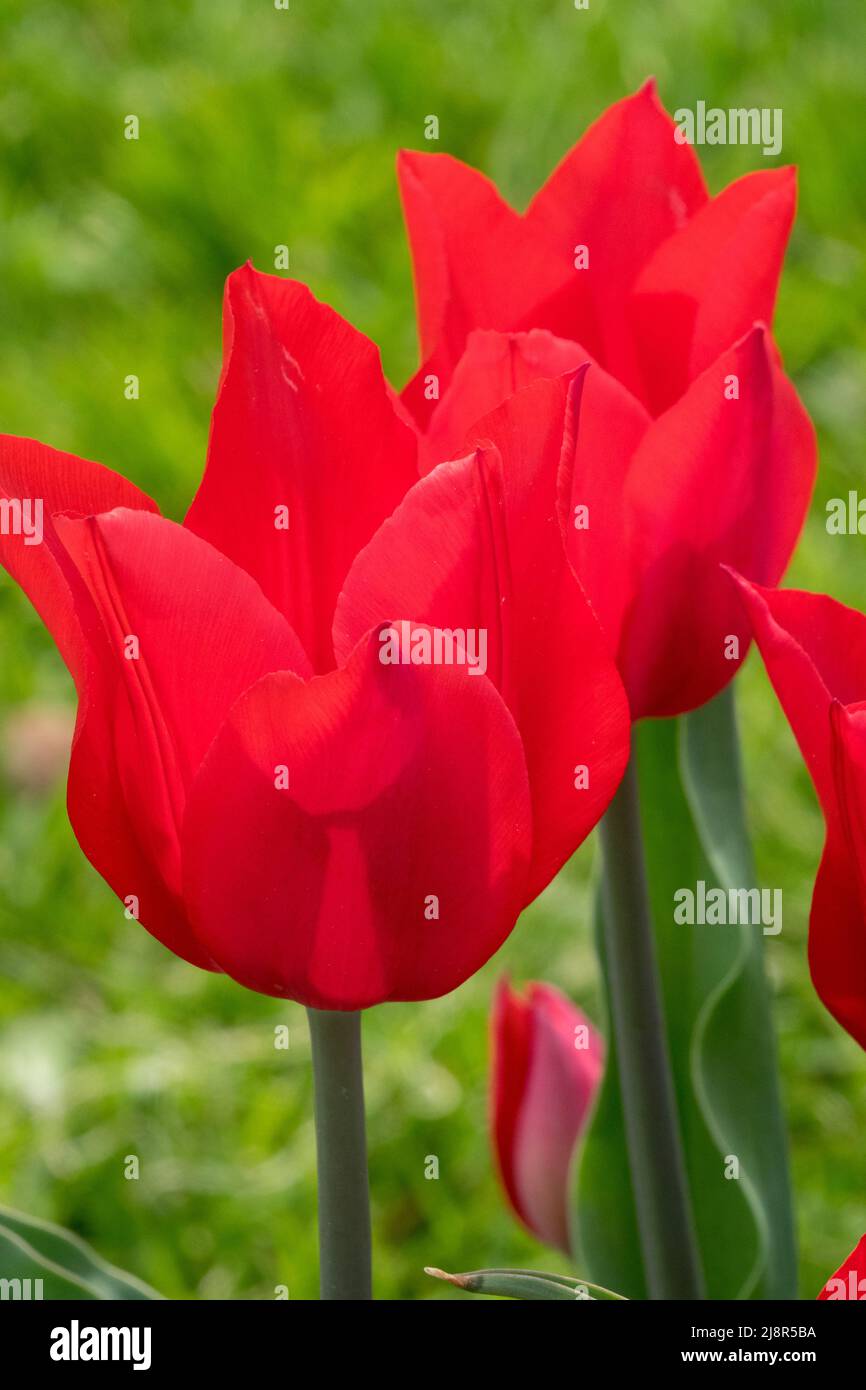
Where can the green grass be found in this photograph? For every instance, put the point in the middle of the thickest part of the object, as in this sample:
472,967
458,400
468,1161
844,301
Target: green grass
261,127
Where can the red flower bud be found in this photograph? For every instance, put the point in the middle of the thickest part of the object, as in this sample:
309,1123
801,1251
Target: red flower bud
546,1067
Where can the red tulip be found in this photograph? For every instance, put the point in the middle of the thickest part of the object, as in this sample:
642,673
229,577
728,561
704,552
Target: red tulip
815,654
671,277
687,444
849,1281
262,790
546,1067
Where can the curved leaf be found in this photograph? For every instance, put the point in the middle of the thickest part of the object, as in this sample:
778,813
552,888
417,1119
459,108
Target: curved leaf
34,1249
28,1275
734,1063
719,1031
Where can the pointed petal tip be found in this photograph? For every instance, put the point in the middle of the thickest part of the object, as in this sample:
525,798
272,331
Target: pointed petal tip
489,460
406,155
504,995
750,592
777,181
575,382
247,274
838,714
241,274
758,341
412,161
756,336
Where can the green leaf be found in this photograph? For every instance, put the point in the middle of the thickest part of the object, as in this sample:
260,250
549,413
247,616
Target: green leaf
526,1284
720,1034
735,1063
34,1249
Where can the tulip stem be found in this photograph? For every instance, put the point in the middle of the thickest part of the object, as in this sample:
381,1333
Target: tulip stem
341,1156
656,1159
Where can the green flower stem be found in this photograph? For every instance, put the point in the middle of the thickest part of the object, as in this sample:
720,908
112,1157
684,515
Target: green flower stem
656,1160
341,1150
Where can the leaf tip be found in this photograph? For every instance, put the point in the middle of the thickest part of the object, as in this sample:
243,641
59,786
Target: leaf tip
459,1279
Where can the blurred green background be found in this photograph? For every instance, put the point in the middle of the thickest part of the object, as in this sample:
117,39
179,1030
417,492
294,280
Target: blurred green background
261,127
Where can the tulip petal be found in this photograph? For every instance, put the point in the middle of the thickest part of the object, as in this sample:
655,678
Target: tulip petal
510,1046
708,283
626,187
547,1065
815,653
448,557
476,264
393,863
175,633
441,559
837,930
304,422
493,366
718,479
814,649
609,425
837,934
59,483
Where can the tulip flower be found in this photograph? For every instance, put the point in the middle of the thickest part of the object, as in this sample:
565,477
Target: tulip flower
849,1281
264,792
815,653
283,763
648,302
692,447
622,250
547,1062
